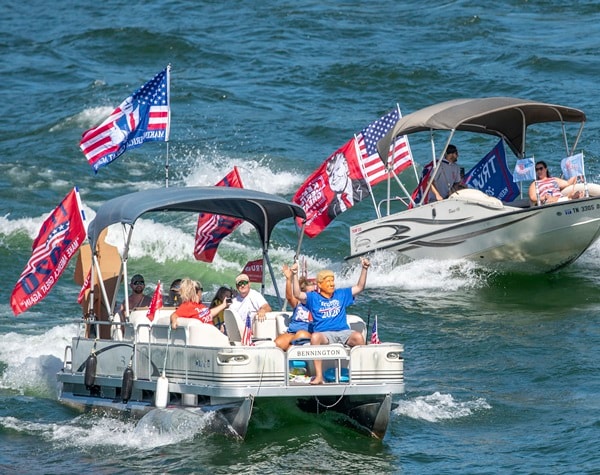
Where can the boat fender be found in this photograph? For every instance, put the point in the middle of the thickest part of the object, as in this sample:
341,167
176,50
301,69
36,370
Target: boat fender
161,395
90,370
127,384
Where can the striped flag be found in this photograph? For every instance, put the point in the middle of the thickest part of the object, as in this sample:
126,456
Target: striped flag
374,333
142,117
400,155
61,234
247,336
212,228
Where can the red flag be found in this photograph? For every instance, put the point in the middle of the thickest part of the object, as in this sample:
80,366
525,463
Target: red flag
59,238
247,336
85,287
155,303
332,189
254,270
375,334
212,228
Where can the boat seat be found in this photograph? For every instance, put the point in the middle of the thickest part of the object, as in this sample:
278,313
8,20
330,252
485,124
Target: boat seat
202,334
264,333
356,323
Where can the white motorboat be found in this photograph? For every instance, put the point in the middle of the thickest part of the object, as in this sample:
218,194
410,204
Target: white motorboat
140,365
514,236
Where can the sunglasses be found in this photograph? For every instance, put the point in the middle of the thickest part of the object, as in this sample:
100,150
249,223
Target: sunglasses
139,282
199,289
241,283
537,169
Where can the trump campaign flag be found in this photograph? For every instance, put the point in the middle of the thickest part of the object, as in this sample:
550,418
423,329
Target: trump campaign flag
142,117
399,158
212,228
332,189
155,303
491,175
572,166
59,238
524,170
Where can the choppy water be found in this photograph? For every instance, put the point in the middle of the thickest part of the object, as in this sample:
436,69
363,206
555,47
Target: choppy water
502,371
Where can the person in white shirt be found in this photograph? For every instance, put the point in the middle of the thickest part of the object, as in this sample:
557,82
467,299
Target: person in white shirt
248,301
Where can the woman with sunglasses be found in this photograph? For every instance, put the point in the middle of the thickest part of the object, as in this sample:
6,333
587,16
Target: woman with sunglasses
248,301
191,304
548,188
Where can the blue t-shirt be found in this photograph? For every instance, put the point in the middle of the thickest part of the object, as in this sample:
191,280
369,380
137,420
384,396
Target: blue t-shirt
301,319
329,315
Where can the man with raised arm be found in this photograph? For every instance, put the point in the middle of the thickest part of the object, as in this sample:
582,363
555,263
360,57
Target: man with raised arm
328,307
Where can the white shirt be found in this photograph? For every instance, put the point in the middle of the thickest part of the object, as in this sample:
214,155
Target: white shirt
241,306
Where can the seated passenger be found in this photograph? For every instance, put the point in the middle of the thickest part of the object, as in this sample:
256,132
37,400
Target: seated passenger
174,297
191,304
448,178
221,296
549,188
248,301
301,322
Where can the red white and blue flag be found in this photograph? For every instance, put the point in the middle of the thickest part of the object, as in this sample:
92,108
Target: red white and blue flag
375,333
59,238
399,157
142,117
419,192
155,303
247,336
212,228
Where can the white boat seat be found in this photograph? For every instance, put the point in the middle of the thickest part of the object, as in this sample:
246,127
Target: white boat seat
202,334
356,323
263,332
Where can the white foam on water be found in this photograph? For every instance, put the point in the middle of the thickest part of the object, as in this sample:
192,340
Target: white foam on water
438,407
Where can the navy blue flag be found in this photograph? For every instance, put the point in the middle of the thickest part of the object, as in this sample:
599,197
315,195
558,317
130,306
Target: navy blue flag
491,175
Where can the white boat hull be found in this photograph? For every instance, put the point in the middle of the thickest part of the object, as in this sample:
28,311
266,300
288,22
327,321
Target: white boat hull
229,379
532,239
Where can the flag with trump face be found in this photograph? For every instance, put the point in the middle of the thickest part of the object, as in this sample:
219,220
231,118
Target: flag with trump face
142,117
572,166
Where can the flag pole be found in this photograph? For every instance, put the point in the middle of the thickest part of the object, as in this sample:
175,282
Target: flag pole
364,173
167,168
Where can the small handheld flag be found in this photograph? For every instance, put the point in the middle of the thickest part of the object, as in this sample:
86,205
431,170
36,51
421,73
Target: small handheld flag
374,333
155,303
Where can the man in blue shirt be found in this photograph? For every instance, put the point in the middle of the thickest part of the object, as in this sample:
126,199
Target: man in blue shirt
328,307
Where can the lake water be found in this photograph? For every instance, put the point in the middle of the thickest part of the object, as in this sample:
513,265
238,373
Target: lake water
502,372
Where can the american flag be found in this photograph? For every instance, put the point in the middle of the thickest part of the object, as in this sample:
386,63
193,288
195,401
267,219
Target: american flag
247,336
367,138
155,303
142,117
374,334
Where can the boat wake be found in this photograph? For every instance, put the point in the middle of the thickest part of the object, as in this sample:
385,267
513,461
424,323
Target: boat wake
439,407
